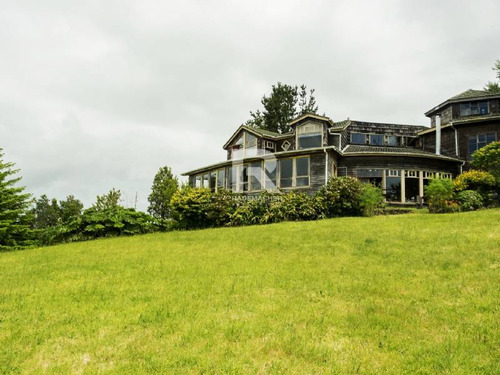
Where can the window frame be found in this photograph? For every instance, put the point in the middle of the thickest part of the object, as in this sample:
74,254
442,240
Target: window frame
302,131
294,175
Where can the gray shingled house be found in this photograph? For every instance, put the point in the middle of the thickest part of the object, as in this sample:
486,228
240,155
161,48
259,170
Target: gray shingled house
399,158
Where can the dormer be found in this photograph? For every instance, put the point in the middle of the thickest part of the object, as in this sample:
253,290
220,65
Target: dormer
311,131
249,142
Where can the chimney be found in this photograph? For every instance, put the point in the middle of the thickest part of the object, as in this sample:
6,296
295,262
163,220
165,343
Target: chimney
438,134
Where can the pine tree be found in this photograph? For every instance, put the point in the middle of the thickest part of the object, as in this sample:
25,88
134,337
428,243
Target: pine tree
165,184
15,216
494,87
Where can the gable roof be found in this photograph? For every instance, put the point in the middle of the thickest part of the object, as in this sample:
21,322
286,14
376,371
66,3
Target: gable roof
464,96
310,115
258,132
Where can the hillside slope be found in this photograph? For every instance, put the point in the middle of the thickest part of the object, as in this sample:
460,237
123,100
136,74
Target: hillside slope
413,293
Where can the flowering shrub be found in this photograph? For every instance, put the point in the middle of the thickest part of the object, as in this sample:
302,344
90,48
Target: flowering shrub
482,182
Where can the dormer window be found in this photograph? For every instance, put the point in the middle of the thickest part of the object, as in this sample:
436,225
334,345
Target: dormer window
309,136
474,108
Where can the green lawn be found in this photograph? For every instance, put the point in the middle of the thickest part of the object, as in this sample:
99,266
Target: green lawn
415,293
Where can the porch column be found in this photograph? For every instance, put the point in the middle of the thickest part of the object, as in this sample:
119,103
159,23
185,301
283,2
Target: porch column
421,185
384,184
403,186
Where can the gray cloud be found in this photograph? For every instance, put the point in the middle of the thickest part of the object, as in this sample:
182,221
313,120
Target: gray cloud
97,95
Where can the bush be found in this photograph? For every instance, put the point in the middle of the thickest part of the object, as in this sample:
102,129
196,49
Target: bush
342,197
482,182
110,222
371,199
439,196
294,207
488,159
470,200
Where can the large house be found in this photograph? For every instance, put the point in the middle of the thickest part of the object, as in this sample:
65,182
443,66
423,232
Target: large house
399,158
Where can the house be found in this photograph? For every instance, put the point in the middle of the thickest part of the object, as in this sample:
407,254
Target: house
401,159
464,123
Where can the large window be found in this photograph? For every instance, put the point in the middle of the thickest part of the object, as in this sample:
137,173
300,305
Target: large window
243,178
392,140
377,139
212,180
480,140
270,173
286,173
255,176
309,136
302,171
474,108
294,172
358,138
221,177
245,146
232,174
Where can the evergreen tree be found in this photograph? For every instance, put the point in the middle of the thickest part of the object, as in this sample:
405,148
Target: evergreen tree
165,184
282,106
46,213
494,87
71,209
15,217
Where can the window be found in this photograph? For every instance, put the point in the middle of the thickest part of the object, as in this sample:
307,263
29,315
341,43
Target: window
302,171
474,108
255,176
446,175
270,171
411,174
244,178
393,173
212,180
286,145
294,172
358,138
205,181
309,136
478,141
221,177
197,182
392,140
232,172
377,139
250,145
286,173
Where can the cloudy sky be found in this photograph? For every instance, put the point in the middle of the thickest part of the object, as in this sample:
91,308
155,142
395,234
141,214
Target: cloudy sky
101,94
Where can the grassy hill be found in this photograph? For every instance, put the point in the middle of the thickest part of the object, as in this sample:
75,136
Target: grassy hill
399,294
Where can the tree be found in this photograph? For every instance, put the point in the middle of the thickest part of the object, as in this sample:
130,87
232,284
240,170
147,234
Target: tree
165,184
46,213
281,106
487,159
494,87
71,209
108,201
15,216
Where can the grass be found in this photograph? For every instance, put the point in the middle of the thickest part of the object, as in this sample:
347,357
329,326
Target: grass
397,294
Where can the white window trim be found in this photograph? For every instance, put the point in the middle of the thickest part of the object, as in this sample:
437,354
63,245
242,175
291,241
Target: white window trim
294,173
297,132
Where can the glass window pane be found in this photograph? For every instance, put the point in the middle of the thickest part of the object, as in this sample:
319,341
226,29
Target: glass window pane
255,174
302,181
302,166
393,140
205,181
465,109
358,138
212,180
310,140
376,139
483,108
221,176
490,137
244,178
271,168
198,181
231,178
286,172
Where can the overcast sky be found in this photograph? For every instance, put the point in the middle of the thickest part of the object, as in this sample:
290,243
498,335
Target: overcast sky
101,94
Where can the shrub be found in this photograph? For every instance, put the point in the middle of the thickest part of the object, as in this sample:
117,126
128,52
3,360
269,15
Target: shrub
342,197
371,199
253,210
482,182
190,208
469,200
439,195
487,158
109,222
294,207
